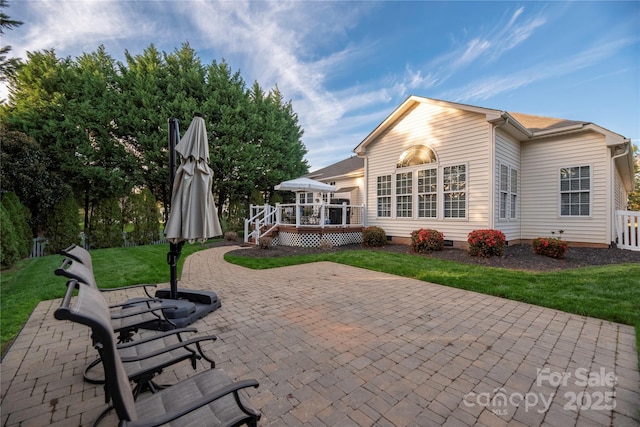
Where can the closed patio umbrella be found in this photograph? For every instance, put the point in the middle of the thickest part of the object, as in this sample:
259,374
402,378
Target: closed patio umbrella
193,215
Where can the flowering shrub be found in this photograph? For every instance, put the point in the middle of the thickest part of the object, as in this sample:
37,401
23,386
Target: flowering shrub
374,236
426,240
485,243
550,246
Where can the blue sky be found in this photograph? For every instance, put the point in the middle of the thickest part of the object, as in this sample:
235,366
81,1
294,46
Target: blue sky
346,65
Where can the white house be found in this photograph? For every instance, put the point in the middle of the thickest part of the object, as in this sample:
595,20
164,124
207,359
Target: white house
457,168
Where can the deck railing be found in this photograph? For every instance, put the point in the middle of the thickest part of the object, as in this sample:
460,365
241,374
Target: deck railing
627,226
265,218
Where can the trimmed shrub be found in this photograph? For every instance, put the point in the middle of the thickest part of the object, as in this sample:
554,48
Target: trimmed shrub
230,236
106,225
552,247
63,225
485,243
266,242
8,239
426,240
374,236
143,213
325,244
19,215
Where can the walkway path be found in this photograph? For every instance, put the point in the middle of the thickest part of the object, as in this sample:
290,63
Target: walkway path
333,345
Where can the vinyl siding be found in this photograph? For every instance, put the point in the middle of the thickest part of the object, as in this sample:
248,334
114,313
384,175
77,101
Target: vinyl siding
507,153
354,196
457,137
621,195
540,187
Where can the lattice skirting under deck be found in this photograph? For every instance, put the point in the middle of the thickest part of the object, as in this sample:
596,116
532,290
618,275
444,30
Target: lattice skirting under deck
313,240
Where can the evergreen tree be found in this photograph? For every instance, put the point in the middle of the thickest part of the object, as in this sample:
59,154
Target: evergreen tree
63,227
7,65
19,216
142,212
9,247
234,159
26,172
105,168
106,225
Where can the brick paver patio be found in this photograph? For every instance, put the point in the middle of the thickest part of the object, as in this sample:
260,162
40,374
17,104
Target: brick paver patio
333,345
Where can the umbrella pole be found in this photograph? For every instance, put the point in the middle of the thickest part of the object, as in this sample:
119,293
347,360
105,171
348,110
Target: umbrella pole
175,249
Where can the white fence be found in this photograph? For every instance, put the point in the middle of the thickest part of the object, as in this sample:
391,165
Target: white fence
627,226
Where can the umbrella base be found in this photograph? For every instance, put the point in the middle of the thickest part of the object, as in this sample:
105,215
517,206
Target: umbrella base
191,306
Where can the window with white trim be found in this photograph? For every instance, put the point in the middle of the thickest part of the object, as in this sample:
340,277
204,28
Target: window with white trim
575,191
513,190
327,197
428,193
504,191
404,196
306,198
508,194
384,196
454,180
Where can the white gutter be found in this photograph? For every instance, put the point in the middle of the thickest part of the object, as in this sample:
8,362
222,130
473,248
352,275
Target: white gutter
627,144
558,131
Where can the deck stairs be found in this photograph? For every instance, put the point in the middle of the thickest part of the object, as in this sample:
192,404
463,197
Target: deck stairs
262,223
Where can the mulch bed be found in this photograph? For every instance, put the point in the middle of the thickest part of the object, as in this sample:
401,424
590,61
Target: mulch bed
517,257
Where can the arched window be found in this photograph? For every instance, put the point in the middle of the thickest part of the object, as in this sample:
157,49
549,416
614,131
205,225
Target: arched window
416,155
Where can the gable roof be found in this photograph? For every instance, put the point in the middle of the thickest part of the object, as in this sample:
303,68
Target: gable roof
410,103
344,167
526,126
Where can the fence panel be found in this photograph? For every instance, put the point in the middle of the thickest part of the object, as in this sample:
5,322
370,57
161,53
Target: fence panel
627,225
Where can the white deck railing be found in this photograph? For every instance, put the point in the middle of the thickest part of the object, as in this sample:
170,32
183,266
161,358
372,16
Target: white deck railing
627,226
265,218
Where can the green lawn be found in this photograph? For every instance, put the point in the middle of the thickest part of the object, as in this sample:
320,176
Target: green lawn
33,280
609,292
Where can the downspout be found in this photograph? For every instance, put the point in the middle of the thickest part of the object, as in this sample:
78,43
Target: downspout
612,190
492,176
365,203
504,120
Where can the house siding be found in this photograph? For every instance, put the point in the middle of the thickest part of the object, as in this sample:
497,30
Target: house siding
540,187
621,195
507,153
355,196
457,137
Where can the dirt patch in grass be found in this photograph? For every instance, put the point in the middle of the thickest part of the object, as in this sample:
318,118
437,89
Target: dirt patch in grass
517,257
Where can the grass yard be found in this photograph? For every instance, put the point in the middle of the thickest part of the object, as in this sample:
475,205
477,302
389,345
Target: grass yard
33,280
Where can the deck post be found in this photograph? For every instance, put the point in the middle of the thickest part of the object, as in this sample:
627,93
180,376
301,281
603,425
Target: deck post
344,214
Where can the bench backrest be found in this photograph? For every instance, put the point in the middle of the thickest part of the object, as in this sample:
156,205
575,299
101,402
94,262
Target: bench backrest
91,309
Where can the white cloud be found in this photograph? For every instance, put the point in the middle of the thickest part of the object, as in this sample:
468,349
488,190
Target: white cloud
79,26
